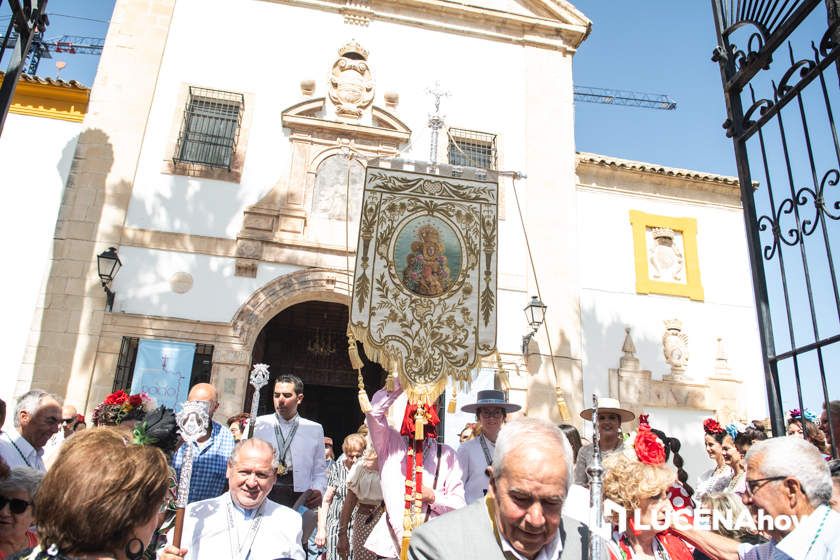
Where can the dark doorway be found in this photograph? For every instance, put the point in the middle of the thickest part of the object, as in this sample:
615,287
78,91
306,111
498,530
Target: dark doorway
309,340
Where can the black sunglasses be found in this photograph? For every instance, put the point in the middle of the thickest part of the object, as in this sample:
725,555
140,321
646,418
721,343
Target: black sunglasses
16,505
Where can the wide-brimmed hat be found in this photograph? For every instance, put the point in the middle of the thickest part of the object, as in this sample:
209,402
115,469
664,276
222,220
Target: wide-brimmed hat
490,397
608,405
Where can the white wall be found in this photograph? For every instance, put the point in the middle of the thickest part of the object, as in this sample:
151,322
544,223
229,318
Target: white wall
142,285
35,156
609,302
303,44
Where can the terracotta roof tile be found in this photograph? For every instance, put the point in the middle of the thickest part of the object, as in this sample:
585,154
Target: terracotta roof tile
608,161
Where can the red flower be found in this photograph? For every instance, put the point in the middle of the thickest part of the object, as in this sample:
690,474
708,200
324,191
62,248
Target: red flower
712,427
135,400
648,448
117,397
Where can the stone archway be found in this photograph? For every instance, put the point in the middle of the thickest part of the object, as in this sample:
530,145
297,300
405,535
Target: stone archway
232,361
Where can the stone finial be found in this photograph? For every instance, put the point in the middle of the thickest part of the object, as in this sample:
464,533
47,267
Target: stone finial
675,348
722,359
628,361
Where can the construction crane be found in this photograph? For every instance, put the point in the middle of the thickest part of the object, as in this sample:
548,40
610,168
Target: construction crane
588,94
67,44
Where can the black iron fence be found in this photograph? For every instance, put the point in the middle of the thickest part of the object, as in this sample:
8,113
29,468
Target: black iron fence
778,62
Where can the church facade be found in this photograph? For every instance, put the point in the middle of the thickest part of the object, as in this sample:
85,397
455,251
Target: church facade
227,173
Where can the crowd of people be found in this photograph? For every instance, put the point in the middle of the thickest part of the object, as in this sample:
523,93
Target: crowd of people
272,488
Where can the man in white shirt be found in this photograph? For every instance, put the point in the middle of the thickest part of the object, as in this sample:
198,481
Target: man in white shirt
491,409
37,418
241,524
299,444
788,491
53,446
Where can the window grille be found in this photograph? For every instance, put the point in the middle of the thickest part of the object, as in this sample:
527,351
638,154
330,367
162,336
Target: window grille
210,129
471,148
201,367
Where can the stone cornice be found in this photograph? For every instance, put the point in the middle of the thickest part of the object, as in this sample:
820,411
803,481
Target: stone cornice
618,164
559,27
616,174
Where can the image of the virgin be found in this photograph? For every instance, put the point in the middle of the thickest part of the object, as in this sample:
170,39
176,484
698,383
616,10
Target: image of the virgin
193,420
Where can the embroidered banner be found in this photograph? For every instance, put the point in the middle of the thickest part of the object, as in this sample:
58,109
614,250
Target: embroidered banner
424,292
163,370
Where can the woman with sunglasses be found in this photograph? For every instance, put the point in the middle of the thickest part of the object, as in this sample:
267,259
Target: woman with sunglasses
16,515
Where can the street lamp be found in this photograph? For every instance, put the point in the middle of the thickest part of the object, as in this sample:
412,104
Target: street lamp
535,315
108,263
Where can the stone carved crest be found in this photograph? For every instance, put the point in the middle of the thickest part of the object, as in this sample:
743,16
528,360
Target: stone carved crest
675,347
666,259
351,82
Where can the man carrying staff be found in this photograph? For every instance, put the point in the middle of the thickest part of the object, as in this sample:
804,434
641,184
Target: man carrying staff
208,478
442,488
242,523
491,409
299,443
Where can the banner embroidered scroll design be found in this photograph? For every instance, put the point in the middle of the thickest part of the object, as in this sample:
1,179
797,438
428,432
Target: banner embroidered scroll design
424,298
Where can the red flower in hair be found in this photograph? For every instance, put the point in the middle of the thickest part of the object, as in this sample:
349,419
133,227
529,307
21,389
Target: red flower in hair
649,449
712,427
117,397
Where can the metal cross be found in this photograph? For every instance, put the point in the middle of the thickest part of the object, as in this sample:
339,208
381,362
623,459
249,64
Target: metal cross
435,120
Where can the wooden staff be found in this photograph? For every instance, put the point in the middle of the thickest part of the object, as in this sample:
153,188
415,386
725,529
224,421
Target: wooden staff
258,380
193,423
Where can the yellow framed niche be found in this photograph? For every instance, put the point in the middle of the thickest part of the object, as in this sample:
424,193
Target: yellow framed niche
665,254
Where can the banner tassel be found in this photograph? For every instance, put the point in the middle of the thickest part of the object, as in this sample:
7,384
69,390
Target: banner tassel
452,406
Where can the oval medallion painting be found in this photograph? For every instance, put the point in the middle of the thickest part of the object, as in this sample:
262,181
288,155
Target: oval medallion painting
427,256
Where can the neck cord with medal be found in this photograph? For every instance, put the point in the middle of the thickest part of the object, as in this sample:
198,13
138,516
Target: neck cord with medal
819,530
236,549
22,456
283,443
487,456
626,548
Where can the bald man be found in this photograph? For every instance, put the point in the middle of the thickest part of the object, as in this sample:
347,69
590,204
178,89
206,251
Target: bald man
209,472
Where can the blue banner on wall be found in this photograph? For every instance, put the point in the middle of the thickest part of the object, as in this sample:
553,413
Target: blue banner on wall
162,370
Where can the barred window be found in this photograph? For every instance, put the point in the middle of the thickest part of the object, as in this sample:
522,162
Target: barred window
210,129
471,148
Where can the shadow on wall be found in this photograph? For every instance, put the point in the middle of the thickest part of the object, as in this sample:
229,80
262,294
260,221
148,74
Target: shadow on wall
68,328
601,348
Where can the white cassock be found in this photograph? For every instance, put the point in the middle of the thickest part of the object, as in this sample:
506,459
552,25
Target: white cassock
306,450
473,463
270,532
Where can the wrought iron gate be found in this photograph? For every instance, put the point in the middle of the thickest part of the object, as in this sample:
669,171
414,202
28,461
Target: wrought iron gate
778,63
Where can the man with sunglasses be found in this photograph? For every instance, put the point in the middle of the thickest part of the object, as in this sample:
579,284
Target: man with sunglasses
491,409
788,492
53,446
37,418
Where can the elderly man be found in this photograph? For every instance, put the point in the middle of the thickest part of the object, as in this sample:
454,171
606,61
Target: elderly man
37,418
831,424
520,518
209,470
788,491
491,409
443,489
242,523
299,443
